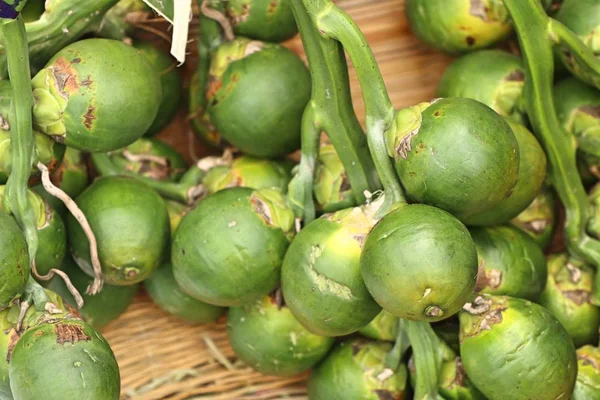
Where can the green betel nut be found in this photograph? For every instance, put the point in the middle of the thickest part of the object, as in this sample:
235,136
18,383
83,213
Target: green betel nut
355,370
510,262
289,350
514,349
456,154
320,277
228,250
96,95
493,77
588,374
568,296
457,26
268,20
539,218
131,225
383,327
331,187
420,263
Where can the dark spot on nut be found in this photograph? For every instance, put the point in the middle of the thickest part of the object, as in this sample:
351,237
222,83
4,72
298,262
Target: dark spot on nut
591,110
89,117
357,346
437,113
183,252
470,40
67,333
76,60
386,395
516,76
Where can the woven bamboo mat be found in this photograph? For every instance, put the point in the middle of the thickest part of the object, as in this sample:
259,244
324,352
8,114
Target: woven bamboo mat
163,358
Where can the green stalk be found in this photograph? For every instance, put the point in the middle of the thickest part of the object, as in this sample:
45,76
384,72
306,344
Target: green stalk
427,358
394,357
183,191
332,104
300,188
14,39
533,29
335,23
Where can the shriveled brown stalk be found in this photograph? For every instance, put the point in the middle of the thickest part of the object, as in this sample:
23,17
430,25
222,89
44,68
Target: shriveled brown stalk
98,282
145,157
72,289
219,17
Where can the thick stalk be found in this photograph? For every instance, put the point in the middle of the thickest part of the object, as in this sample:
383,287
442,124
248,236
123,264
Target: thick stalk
63,22
14,41
185,191
394,357
533,29
335,23
427,358
300,188
332,101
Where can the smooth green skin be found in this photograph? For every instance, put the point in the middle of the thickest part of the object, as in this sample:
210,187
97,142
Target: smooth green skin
527,355
71,176
511,262
578,110
120,103
9,335
247,171
464,159
170,82
270,340
532,174
568,297
131,225
224,253
14,260
259,105
493,77
321,280
539,218
350,372
166,294
268,20
451,27
98,310
42,368
417,258
176,165
383,327
582,17
588,374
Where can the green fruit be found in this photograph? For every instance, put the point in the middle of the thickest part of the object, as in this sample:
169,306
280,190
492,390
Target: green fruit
61,360
289,350
578,110
456,26
9,334
71,176
228,250
568,296
96,95
539,218
588,374
420,263
52,235
268,20
170,81
166,294
456,154
257,96
98,310
532,173
14,260
353,371
331,187
510,262
493,77
247,171
131,225
320,277
383,327
514,349
582,17
151,159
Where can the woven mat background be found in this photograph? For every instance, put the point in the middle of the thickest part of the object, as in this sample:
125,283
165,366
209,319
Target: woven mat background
163,358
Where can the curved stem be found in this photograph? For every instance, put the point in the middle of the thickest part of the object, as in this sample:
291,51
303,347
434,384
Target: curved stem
533,26
14,40
332,102
219,16
300,188
335,23
427,358
394,357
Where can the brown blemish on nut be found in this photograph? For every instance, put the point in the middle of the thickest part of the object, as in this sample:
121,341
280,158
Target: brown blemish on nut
89,117
261,208
579,297
516,76
387,395
478,9
470,40
12,342
593,111
67,333
588,361
357,346
65,77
